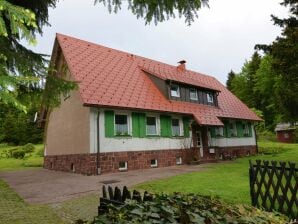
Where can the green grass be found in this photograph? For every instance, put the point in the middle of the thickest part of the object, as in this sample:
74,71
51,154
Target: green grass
228,180
14,210
30,161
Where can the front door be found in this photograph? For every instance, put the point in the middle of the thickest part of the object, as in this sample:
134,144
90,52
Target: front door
199,143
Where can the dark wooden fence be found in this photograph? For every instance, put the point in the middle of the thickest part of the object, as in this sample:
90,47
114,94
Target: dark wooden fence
274,185
117,198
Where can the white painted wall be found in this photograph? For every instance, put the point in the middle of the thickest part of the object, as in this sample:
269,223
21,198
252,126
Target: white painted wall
121,144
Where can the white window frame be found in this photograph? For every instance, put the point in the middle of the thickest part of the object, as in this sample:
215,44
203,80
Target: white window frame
210,98
181,131
196,92
157,120
177,92
245,129
178,160
155,164
129,122
123,168
234,130
219,132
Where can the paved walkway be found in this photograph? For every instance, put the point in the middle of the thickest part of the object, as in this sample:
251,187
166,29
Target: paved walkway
41,186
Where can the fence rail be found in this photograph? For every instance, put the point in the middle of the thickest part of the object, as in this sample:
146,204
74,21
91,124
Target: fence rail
274,186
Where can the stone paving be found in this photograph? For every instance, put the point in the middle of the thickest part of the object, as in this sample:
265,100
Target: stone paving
41,186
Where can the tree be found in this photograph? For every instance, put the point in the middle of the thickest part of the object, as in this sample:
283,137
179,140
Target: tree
231,76
284,53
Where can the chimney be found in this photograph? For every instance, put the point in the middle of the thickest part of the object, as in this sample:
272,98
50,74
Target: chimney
181,66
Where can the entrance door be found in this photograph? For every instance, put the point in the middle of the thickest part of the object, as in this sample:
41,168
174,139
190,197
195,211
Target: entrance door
199,143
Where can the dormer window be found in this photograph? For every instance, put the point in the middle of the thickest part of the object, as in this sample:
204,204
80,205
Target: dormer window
193,94
175,91
210,98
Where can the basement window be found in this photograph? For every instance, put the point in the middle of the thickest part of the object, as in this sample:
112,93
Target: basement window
72,167
153,163
121,124
175,91
210,98
122,165
178,160
193,94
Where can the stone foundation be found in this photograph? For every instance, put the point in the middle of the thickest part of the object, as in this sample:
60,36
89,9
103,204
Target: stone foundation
109,162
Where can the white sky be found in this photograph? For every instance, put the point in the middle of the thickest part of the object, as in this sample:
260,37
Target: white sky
221,39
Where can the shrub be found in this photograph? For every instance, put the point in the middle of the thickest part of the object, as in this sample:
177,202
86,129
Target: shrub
10,151
28,148
40,152
18,154
191,208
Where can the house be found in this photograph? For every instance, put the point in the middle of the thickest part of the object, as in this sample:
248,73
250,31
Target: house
130,112
285,132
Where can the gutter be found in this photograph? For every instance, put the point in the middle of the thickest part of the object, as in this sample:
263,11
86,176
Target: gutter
98,170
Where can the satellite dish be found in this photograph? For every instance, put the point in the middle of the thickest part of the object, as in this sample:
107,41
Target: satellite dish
35,116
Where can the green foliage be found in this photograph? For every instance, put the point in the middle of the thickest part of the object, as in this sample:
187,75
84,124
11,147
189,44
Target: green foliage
28,148
186,208
231,76
159,11
18,154
40,152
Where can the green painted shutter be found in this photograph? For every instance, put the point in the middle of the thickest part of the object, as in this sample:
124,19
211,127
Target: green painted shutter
142,125
239,127
250,128
165,126
212,131
109,123
227,132
186,126
135,125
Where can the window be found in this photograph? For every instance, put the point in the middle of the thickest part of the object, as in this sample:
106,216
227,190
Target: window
151,126
176,127
175,91
178,160
219,132
153,163
210,98
193,94
245,127
122,165
121,124
233,129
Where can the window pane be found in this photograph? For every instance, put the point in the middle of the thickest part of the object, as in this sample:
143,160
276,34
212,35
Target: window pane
210,97
175,127
151,126
151,120
193,94
175,91
121,126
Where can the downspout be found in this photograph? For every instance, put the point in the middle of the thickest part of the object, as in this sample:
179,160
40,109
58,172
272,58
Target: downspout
257,148
98,171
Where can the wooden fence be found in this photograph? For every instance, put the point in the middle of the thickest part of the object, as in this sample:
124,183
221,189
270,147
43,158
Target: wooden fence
274,186
117,198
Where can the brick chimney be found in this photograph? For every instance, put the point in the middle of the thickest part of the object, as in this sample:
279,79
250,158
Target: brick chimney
181,66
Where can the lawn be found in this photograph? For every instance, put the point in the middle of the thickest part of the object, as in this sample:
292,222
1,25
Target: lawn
31,160
228,180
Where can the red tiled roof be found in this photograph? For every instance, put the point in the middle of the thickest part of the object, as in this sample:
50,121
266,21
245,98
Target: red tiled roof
109,77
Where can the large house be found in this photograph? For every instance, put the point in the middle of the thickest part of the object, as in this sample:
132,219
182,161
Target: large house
131,112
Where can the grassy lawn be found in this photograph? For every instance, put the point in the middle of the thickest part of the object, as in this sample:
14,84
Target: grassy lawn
31,160
228,180
14,210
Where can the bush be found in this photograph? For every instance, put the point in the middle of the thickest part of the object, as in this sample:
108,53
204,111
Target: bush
18,154
40,152
28,148
266,136
191,208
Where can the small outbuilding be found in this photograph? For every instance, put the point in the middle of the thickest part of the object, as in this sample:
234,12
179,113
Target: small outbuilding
285,132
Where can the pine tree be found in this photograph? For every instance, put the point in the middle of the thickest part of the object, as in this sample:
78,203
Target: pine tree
231,76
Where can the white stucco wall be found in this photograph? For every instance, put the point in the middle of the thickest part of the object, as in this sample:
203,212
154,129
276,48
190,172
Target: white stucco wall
120,144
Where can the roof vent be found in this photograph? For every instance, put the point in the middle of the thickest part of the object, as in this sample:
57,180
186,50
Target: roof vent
181,65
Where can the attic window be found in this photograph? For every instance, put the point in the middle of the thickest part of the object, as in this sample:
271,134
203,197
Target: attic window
175,91
193,94
210,98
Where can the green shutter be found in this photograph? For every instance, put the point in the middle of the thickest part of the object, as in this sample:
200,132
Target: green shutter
135,125
212,131
109,123
250,128
227,132
138,125
142,125
239,127
186,126
165,126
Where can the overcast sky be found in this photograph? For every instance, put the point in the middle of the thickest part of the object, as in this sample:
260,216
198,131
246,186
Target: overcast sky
221,39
